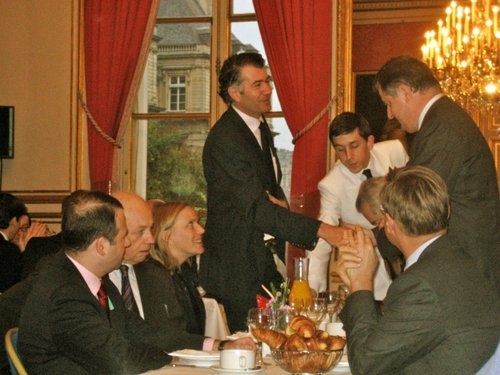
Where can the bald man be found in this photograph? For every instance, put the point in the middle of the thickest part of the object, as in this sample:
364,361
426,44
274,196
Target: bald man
152,286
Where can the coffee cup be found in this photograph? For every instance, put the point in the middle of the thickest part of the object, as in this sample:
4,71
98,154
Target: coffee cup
237,359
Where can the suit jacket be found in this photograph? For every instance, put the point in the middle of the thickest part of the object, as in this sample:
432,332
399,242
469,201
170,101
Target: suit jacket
435,321
162,304
10,264
36,249
63,329
236,261
450,143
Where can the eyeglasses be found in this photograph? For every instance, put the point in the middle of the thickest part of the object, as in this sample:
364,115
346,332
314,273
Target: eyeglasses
24,228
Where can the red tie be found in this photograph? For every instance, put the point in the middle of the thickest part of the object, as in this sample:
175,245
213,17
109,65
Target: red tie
102,296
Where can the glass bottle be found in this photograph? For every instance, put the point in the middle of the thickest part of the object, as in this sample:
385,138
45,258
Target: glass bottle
300,295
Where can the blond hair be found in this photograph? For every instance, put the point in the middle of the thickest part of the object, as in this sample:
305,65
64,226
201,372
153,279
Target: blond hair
164,217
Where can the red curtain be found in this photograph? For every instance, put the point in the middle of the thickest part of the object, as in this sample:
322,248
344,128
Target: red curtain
297,36
117,36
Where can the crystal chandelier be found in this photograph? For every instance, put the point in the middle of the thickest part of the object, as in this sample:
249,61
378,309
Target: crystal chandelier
464,52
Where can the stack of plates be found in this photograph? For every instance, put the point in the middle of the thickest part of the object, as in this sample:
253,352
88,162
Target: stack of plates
198,358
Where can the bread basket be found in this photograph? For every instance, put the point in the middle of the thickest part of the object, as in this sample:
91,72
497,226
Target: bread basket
300,362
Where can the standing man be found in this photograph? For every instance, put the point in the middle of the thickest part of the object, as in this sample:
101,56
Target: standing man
436,319
359,158
244,199
448,141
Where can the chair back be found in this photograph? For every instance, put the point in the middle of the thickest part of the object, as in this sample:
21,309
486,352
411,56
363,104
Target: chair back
16,366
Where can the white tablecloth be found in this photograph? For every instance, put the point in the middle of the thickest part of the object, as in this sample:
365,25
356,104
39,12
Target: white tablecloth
216,323
269,369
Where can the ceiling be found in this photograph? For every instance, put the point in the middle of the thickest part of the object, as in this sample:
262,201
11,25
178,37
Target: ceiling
396,11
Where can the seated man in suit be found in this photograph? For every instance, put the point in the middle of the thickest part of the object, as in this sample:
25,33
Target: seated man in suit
153,290
12,209
435,317
69,323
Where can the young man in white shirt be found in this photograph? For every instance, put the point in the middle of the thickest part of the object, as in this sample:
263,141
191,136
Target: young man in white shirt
359,158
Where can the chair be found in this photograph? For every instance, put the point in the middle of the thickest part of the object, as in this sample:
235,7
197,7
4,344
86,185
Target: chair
16,366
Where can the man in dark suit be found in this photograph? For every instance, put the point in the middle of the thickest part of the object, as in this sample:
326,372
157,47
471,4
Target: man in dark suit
244,197
435,318
448,141
152,285
11,211
64,327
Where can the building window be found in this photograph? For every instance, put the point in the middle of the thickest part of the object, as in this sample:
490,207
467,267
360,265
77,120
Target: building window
172,118
177,89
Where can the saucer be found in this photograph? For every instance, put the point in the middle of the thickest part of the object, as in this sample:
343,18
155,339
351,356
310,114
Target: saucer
221,370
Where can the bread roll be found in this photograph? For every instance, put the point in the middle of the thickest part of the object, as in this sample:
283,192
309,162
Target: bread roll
272,338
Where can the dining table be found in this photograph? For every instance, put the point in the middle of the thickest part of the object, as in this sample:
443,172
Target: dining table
269,368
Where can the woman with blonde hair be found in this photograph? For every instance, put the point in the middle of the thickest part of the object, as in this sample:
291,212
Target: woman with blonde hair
178,240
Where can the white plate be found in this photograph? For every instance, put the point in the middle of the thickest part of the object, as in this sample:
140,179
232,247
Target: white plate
196,358
220,370
196,354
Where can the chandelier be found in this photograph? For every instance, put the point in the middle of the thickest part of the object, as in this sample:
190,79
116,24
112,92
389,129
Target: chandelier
463,54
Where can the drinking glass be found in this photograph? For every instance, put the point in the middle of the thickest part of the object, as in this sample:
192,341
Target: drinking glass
332,303
258,318
316,310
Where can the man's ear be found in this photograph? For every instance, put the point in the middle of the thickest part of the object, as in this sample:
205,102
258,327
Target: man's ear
370,141
234,93
102,245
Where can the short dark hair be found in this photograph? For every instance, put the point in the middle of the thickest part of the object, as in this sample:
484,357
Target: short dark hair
230,71
346,123
406,70
10,207
87,215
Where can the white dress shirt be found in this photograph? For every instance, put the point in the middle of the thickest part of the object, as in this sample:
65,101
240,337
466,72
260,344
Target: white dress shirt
339,190
116,277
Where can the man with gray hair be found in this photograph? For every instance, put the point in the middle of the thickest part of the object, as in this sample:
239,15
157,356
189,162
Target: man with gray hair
435,318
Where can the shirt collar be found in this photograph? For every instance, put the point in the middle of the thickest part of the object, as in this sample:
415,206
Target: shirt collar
92,281
252,122
426,108
413,258
4,236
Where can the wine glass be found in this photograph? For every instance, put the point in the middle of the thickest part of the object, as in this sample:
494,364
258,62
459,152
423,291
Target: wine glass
332,303
316,311
258,318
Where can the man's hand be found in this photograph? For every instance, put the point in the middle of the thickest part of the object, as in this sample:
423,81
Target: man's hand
358,260
330,233
242,343
279,202
36,229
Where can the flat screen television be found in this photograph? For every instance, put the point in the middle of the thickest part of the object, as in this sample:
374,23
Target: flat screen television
6,132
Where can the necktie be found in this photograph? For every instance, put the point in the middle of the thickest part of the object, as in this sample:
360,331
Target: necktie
368,173
127,295
266,147
102,296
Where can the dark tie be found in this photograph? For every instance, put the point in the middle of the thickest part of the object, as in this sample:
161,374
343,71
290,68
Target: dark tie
266,147
368,173
102,296
127,295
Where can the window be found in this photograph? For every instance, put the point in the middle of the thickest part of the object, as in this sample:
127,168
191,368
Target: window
177,93
178,100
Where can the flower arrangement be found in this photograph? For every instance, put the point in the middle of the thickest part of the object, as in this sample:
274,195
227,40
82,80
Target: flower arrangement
280,311
279,297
